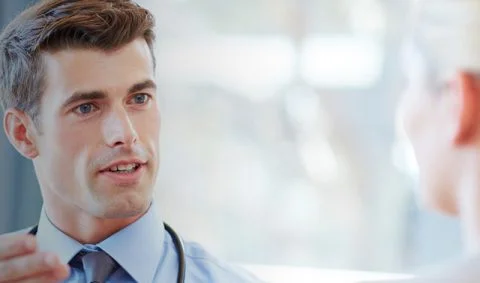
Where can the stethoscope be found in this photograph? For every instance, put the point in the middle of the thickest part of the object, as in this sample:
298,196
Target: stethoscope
177,241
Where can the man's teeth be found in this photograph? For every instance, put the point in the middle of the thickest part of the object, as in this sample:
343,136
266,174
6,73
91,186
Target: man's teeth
124,167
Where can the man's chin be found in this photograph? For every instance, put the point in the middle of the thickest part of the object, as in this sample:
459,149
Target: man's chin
125,206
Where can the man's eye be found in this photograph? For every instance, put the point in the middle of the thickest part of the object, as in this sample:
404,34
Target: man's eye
85,108
140,98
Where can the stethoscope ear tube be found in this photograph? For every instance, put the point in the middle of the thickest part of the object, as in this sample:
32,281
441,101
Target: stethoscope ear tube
177,241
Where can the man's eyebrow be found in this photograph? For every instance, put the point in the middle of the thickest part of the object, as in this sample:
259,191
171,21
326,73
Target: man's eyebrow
81,96
97,94
142,85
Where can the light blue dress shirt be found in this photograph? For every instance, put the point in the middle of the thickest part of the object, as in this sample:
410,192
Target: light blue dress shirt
145,253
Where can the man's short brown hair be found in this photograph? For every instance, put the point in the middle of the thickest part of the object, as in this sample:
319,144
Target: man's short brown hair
54,25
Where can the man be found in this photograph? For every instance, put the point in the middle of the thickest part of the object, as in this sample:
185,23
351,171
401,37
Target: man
78,88
440,110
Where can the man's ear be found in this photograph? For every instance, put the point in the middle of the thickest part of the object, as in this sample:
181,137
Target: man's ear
20,131
468,99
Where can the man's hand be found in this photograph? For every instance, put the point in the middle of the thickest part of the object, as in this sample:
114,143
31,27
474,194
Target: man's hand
20,262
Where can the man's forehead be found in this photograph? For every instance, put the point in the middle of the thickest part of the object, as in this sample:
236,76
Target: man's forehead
137,53
86,69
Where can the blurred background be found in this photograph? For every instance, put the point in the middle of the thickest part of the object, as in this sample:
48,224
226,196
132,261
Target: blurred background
279,144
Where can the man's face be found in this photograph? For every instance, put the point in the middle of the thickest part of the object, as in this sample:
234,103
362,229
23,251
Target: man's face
426,117
100,123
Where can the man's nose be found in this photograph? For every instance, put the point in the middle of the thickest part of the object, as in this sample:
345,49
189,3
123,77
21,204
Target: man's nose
118,129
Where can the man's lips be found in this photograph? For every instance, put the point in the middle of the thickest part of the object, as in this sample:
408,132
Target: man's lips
123,176
123,164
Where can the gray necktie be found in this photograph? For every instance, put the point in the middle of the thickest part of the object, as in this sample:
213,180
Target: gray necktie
97,266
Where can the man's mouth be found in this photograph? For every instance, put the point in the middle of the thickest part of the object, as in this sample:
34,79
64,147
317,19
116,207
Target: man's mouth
125,173
124,168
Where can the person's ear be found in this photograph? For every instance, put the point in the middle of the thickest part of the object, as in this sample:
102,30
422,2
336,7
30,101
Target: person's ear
21,132
468,99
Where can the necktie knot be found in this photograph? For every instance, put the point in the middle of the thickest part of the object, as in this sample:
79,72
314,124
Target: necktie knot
97,265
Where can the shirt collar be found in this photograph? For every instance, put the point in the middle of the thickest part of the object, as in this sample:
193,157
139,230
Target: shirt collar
51,239
142,239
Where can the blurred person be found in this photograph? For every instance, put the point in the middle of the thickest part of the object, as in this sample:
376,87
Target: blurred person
440,113
77,86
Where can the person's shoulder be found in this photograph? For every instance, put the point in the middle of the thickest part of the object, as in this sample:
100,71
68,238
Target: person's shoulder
463,271
208,268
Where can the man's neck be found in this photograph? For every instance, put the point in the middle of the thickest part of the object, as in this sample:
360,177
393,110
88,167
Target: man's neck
83,227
